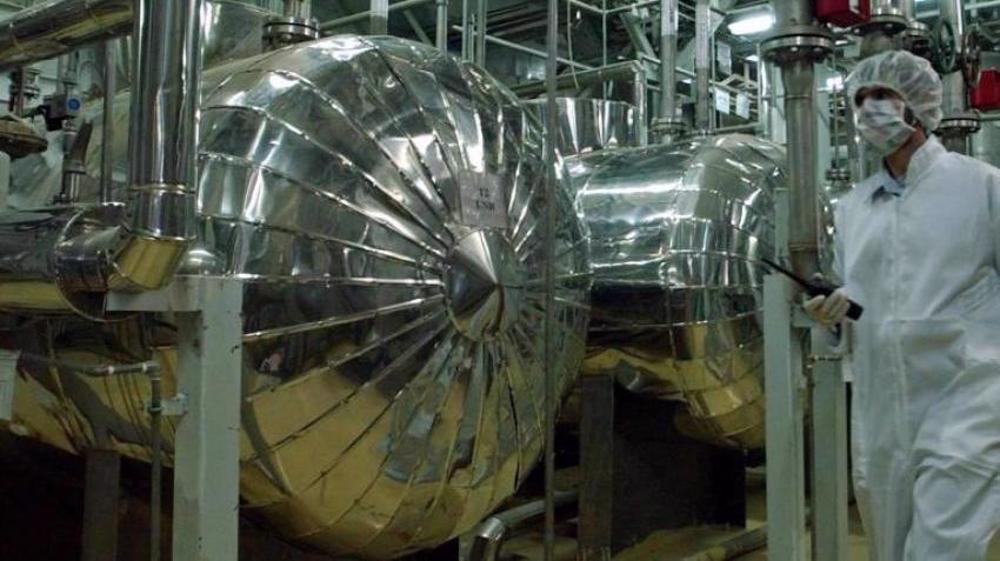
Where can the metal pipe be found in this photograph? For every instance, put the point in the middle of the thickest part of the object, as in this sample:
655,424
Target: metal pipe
550,369
441,29
528,50
480,54
798,78
742,543
668,64
58,27
362,16
790,13
611,72
379,17
156,465
107,130
163,137
703,32
640,92
491,533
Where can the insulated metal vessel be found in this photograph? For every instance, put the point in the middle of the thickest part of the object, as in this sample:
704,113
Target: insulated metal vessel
676,232
382,203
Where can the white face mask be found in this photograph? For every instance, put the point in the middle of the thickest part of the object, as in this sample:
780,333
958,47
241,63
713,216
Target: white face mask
882,123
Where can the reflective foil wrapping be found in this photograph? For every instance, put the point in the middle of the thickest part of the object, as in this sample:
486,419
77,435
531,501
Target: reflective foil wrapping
383,203
676,231
588,124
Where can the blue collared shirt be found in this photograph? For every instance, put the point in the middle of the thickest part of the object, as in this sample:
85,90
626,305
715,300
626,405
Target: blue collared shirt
889,184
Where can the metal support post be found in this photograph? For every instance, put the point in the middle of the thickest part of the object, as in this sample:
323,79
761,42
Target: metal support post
379,17
441,31
829,451
206,455
783,387
597,435
100,506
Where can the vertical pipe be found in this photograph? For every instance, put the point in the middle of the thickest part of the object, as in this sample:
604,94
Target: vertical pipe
640,91
466,40
801,134
156,465
108,128
702,61
164,111
481,33
668,63
441,31
379,15
551,399
954,101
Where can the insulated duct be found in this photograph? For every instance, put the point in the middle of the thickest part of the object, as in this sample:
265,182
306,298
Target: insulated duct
383,205
668,124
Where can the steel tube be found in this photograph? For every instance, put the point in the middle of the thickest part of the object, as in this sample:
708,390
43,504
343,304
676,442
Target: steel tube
362,16
163,136
798,78
379,17
54,28
480,54
550,369
156,465
616,71
107,129
640,92
668,63
703,80
441,29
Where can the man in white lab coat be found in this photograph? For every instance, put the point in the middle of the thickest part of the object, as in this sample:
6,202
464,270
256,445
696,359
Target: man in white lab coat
918,245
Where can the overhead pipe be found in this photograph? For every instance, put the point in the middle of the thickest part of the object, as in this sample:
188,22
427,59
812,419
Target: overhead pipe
703,78
361,17
441,29
163,143
795,46
54,28
379,17
668,125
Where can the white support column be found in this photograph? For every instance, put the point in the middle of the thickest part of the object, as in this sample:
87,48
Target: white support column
206,461
783,387
206,449
829,451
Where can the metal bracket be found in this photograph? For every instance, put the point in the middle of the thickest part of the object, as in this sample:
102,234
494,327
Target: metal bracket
8,377
172,406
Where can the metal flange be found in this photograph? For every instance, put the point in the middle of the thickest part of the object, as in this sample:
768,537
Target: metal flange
799,42
667,126
886,19
968,123
288,30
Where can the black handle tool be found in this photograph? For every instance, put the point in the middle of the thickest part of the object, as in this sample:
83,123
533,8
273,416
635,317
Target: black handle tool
816,287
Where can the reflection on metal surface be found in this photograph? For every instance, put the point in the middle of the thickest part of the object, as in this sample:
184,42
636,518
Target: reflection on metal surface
382,202
676,231
591,124
986,143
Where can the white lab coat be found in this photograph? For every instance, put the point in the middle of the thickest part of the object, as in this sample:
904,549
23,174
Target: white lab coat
926,356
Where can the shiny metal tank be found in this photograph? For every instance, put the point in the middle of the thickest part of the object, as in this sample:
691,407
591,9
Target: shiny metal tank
381,201
588,124
986,143
676,232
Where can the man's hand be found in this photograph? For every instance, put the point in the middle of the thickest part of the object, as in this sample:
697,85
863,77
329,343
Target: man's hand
828,310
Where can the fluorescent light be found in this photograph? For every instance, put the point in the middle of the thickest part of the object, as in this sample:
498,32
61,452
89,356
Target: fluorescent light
835,83
752,24
752,58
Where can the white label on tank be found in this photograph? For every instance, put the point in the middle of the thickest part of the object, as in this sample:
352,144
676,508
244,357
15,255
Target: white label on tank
722,100
483,201
743,105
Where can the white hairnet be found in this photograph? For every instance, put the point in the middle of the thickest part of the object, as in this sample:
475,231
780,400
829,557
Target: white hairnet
906,74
